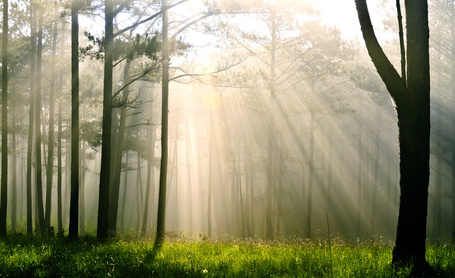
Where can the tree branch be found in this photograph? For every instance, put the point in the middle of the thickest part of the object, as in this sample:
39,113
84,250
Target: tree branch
394,83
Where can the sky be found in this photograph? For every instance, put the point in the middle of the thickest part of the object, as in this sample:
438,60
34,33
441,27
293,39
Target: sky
341,13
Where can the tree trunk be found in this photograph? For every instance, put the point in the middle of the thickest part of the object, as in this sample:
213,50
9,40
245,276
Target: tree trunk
59,173
452,81
189,174
39,178
150,179
50,157
4,178
210,181
164,133
359,180
139,192
82,172
14,174
74,199
376,168
125,190
413,108
309,210
31,120
105,174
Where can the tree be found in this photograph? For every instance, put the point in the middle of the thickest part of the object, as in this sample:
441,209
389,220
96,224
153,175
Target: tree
50,157
160,229
74,201
412,100
31,119
38,109
4,179
105,175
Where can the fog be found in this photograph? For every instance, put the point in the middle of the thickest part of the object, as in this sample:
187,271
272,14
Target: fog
279,126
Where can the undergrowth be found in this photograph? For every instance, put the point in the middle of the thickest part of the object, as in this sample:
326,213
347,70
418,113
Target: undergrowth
128,257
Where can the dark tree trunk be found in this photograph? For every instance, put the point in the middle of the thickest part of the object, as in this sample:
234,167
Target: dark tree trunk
4,179
39,177
105,175
413,109
74,199
59,173
164,133
31,120
452,81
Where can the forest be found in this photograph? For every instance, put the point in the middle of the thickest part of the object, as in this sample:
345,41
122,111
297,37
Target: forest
206,120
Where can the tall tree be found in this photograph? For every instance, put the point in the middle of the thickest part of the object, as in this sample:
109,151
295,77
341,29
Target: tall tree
160,228
412,101
105,174
74,201
31,119
4,180
50,150
38,169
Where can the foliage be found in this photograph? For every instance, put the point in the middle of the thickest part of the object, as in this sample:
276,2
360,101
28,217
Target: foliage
39,257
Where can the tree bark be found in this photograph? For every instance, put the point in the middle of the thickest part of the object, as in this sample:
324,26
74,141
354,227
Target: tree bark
31,120
59,173
164,133
150,179
39,178
413,108
4,179
74,199
118,154
105,174
50,157
309,210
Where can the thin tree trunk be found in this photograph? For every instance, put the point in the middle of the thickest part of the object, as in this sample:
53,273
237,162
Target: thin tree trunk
150,179
125,190
164,133
210,181
359,180
438,185
39,178
118,154
377,154
50,157
140,193
309,210
59,173
189,174
82,172
74,199
14,174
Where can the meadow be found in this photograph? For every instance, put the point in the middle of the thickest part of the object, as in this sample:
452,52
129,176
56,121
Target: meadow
22,256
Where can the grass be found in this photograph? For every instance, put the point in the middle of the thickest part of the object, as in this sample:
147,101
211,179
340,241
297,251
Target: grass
40,257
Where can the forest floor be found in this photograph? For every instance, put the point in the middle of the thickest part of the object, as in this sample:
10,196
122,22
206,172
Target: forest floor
22,256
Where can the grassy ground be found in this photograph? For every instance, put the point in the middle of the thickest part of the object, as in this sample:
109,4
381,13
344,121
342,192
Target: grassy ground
35,257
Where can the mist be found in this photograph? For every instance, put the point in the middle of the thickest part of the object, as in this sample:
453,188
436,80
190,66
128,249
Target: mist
279,125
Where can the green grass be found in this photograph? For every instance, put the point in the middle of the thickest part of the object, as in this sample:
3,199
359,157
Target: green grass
36,257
